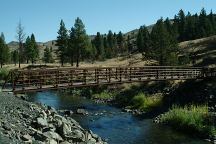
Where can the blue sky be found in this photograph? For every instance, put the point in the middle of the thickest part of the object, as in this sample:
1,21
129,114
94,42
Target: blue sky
42,17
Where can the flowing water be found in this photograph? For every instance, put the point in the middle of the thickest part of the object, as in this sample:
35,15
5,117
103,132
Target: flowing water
112,124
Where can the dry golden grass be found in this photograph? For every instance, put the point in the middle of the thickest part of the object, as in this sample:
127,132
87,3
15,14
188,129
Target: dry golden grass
132,60
204,50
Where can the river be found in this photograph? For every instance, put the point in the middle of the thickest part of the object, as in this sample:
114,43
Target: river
112,124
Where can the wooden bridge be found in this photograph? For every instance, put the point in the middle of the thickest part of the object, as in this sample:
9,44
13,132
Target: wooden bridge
57,78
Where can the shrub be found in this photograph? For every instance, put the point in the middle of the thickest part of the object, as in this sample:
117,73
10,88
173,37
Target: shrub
189,118
3,73
103,95
146,103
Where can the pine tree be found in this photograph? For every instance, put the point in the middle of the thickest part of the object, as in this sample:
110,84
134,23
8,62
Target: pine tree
15,56
120,42
129,44
4,51
115,45
140,40
181,25
205,26
34,49
99,45
28,49
109,51
80,40
143,40
71,47
47,55
213,21
164,48
190,27
146,39
62,43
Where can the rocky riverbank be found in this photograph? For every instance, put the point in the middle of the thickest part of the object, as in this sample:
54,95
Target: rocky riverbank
26,122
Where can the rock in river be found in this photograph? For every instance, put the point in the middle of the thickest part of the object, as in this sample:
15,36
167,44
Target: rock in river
82,111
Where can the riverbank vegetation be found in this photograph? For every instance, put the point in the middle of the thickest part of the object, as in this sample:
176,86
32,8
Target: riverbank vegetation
146,103
183,105
3,73
191,119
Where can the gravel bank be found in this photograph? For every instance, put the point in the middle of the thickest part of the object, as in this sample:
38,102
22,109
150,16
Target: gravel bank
26,122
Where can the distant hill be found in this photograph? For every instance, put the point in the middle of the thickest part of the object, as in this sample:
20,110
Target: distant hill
13,45
134,32
202,50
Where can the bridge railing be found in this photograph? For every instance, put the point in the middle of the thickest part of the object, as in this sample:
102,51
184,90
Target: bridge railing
39,79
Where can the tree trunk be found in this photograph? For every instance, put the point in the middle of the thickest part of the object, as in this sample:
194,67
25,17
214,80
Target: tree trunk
19,63
77,65
1,65
72,61
62,63
77,60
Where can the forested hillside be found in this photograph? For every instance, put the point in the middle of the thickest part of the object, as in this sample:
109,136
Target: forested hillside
161,42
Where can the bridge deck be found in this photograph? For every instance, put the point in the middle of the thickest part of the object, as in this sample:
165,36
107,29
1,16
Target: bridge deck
58,78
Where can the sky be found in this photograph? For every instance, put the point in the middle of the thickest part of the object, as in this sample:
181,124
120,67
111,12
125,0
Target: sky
42,17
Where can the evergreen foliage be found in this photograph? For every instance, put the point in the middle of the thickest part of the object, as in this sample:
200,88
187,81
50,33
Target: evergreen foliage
62,43
159,43
4,51
163,45
79,39
195,26
143,39
99,45
120,43
31,49
15,56
48,55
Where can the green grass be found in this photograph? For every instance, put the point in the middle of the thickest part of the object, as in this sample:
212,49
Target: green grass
146,103
3,73
192,119
103,95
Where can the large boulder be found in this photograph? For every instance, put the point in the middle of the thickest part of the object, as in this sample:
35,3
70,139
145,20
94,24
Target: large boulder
53,135
41,122
64,130
52,141
27,138
76,136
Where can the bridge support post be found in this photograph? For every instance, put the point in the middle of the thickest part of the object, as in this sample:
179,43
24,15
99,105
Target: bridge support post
40,77
157,76
130,74
97,76
120,74
57,78
71,75
84,76
109,75
23,80
13,80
